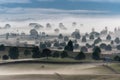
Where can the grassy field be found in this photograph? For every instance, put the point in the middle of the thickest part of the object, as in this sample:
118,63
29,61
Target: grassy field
62,77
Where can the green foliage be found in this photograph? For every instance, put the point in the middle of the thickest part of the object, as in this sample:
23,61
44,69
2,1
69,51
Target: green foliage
36,52
69,46
46,53
80,56
96,53
117,40
56,54
117,58
5,57
84,39
14,52
64,54
27,52
108,37
2,47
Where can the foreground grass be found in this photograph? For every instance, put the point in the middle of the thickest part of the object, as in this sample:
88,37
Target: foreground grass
115,66
62,77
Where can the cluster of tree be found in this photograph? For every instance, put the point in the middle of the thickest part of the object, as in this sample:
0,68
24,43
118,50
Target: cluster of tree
117,58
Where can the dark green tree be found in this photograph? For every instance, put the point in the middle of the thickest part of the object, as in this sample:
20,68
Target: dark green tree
14,53
96,53
56,54
2,47
91,37
64,54
108,37
84,39
27,52
36,52
69,46
80,56
46,52
117,40
5,57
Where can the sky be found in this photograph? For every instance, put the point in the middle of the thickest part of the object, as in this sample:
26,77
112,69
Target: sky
29,9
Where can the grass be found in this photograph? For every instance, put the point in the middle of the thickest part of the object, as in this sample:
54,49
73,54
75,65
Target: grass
115,66
65,77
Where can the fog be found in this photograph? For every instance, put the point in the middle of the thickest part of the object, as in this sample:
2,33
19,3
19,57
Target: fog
83,24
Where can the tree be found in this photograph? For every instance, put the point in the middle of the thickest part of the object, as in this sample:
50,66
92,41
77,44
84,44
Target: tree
84,49
69,46
27,52
98,40
56,44
64,54
42,45
14,53
108,48
66,38
60,36
36,52
117,58
46,52
96,53
5,57
2,47
108,37
88,45
76,46
48,44
117,40
118,47
112,42
80,56
63,44
84,39
34,33
56,54
103,46
91,37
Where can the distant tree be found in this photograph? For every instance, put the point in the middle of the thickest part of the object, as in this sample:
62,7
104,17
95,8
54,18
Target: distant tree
69,46
76,34
34,33
60,36
5,57
84,49
27,52
63,44
103,46
66,38
88,45
108,48
80,56
56,54
118,47
108,37
76,46
36,52
56,44
64,54
14,53
91,37
98,40
84,39
96,53
42,45
48,44
46,52
117,58
2,47
117,40
7,36
112,42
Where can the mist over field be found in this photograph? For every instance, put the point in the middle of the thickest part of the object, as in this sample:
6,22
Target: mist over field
83,24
